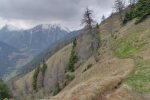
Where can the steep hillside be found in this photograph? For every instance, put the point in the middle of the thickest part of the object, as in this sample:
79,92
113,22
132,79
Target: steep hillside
51,75
121,70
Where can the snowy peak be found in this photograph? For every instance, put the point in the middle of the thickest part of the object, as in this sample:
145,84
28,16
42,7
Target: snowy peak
38,27
11,28
54,26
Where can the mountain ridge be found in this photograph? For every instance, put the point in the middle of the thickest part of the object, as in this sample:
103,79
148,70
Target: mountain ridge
32,42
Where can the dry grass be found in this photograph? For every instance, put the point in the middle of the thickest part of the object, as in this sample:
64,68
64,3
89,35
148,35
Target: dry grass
101,81
102,77
98,82
125,93
60,59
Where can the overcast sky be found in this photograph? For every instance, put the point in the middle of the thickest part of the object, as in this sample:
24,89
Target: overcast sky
27,13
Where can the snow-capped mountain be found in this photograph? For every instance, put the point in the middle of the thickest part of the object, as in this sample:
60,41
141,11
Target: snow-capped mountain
54,26
11,28
37,37
29,43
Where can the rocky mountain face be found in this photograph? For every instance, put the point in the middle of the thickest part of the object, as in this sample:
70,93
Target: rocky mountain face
29,43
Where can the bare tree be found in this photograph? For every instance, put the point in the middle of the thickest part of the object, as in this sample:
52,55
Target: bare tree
132,2
56,85
88,44
103,18
88,19
26,86
13,86
40,80
110,25
119,7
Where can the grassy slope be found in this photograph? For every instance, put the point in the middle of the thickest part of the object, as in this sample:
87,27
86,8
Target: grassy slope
132,43
136,45
60,55
103,76
117,60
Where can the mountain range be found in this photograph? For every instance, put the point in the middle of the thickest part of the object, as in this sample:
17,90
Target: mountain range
23,45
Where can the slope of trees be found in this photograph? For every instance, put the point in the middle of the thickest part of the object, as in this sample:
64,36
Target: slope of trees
140,10
38,76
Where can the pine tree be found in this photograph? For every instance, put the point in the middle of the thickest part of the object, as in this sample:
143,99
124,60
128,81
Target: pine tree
73,57
35,76
119,6
103,18
140,11
44,67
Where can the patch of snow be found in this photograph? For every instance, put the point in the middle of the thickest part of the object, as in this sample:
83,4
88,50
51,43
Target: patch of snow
12,28
54,26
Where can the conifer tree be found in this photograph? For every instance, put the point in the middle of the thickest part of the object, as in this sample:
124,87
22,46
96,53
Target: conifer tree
88,19
35,76
4,90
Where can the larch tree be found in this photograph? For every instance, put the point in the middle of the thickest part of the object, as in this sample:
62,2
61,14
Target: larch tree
119,7
88,19
93,30
103,19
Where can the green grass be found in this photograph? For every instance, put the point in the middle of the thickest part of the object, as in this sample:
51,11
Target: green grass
140,80
124,47
127,47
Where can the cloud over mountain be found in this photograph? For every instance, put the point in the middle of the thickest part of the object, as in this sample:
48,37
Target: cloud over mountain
68,12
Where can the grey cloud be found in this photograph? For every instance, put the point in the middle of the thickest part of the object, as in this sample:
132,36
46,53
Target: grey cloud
39,9
50,10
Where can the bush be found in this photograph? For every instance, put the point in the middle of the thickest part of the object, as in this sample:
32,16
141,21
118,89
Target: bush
56,89
4,91
68,78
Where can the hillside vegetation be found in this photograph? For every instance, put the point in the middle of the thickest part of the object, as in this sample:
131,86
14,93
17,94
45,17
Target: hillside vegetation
140,10
110,62
4,90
